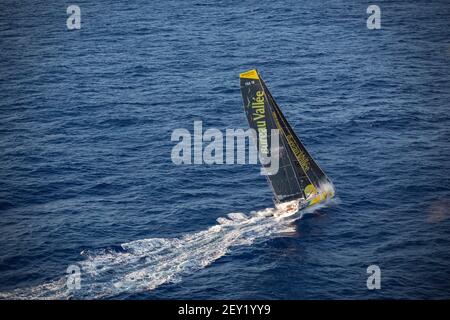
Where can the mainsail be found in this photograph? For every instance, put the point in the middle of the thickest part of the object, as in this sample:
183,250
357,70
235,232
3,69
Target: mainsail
299,176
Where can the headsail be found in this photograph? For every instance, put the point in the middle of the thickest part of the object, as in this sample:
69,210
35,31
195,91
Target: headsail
298,175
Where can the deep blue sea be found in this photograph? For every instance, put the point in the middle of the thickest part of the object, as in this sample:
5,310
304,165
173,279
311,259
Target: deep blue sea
86,176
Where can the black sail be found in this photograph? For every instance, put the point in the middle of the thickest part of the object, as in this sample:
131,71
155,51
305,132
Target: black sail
302,157
298,172
285,183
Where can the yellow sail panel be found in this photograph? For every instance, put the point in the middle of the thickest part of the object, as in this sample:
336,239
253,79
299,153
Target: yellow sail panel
252,74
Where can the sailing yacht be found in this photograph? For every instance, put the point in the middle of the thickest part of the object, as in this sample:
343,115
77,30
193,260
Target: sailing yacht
300,182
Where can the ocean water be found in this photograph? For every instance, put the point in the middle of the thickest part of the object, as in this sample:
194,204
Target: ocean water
86,177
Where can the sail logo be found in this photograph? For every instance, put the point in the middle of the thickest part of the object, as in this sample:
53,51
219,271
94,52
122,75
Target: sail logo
299,154
258,117
190,148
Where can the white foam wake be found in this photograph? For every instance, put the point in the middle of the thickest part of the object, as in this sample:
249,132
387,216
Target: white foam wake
146,264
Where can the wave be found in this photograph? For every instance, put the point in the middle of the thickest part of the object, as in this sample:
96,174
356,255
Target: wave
144,265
